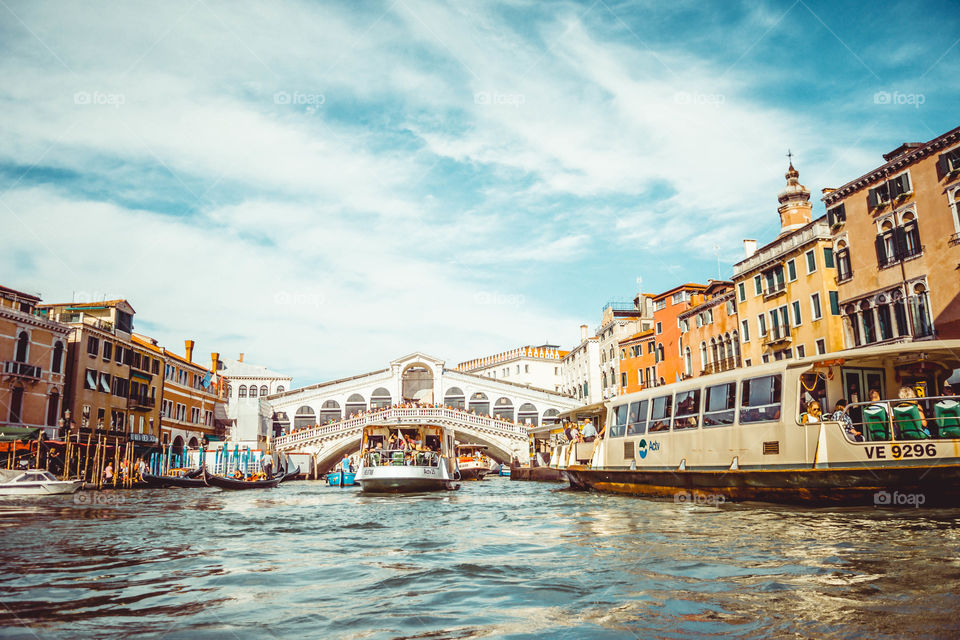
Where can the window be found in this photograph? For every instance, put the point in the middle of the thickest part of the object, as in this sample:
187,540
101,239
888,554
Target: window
264,391
834,303
623,379
721,404
757,285
791,270
828,257
899,186
660,305
124,321
104,382
821,346
659,328
811,261
650,347
637,420
93,346
815,310
686,410
107,350
774,279
90,380
680,296
837,215
280,389
16,404
741,292
801,351
877,196
844,270
660,414
156,367
797,321
253,391
762,324
760,399
242,391
745,324
57,361
619,426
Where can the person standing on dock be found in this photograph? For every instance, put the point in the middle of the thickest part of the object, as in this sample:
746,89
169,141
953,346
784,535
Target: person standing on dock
267,463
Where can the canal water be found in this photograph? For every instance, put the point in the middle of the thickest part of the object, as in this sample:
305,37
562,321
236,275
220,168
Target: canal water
496,559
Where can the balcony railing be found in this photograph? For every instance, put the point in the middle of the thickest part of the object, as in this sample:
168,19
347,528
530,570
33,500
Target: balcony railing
778,334
775,291
21,370
141,402
722,365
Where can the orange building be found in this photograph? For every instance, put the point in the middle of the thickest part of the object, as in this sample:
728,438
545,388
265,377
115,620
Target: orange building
710,331
896,237
670,349
193,408
34,355
638,362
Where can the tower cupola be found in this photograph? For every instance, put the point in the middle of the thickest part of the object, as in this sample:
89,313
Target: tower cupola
795,208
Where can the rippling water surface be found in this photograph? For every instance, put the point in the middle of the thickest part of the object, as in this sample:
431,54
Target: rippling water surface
495,559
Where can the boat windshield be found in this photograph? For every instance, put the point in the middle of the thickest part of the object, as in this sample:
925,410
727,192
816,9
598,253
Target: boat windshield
401,457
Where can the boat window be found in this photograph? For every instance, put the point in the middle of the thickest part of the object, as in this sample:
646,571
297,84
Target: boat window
47,476
760,399
660,414
686,412
619,426
813,386
721,405
637,424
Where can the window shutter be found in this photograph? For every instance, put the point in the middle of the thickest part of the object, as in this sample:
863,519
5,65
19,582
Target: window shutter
900,243
872,199
881,252
905,182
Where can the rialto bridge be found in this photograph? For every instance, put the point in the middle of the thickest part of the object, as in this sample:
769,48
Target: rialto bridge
326,418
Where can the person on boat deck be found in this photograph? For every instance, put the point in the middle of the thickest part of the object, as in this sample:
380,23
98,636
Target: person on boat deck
108,473
905,394
589,431
813,413
947,389
393,441
841,416
267,463
238,475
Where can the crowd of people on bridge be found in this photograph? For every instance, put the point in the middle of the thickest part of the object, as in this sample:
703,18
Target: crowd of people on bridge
406,405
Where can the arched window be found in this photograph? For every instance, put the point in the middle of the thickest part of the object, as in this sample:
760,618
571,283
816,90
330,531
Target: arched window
229,391
355,404
550,416
920,308
264,391
503,409
528,414
480,404
687,363
57,362
253,391
380,399
280,389
330,411
454,398
703,355
304,417
23,342
242,393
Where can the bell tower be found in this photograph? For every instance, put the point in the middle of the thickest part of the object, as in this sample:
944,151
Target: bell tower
795,208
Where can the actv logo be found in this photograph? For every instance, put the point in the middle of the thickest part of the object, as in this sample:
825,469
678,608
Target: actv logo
642,449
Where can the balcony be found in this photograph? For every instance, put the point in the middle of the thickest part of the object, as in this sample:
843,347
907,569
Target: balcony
23,370
778,335
722,365
141,403
778,290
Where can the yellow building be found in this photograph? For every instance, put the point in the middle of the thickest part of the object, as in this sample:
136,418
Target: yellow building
787,290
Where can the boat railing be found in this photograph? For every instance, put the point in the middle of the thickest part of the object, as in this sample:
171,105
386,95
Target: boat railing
934,417
401,457
454,416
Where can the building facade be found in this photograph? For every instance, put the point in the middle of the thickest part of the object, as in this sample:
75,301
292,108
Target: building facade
710,331
100,369
34,354
671,350
191,402
620,320
638,362
580,369
787,298
535,366
245,387
896,235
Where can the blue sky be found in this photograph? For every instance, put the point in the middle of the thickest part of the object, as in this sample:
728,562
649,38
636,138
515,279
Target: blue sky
327,186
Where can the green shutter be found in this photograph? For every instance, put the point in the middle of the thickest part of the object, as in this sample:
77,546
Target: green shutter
834,303
792,270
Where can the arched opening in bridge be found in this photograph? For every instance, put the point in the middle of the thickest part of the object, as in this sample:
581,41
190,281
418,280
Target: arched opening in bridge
528,414
305,417
281,423
503,409
380,399
480,404
454,398
417,384
355,404
193,444
178,443
330,411
550,416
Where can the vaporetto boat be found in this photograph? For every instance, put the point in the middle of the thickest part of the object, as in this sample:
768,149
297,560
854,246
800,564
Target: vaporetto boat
752,434
427,465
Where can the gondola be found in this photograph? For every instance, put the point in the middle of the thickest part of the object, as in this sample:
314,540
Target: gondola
233,483
190,479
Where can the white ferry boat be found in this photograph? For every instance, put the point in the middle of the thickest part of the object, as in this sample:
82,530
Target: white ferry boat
755,434
426,462
472,463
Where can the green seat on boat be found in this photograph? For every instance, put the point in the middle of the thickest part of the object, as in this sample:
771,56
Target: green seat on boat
875,418
397,458
908,421
947,413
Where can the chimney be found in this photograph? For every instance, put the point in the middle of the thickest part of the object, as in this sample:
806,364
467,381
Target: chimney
749,247
188,345
583,332
240,359
827,190
215,361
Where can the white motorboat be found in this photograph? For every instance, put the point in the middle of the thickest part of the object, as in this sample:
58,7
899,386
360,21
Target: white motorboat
30,482
424,463
472,462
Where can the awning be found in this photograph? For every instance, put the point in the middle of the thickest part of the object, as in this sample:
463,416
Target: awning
11,434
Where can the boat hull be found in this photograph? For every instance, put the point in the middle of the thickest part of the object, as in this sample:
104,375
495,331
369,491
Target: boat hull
404,479
240,485
927,485
340,479
63,487
473,473
173,481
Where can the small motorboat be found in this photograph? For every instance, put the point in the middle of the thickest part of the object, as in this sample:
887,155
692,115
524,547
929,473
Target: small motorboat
341,479
192,478
471,461
34,482
237,484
